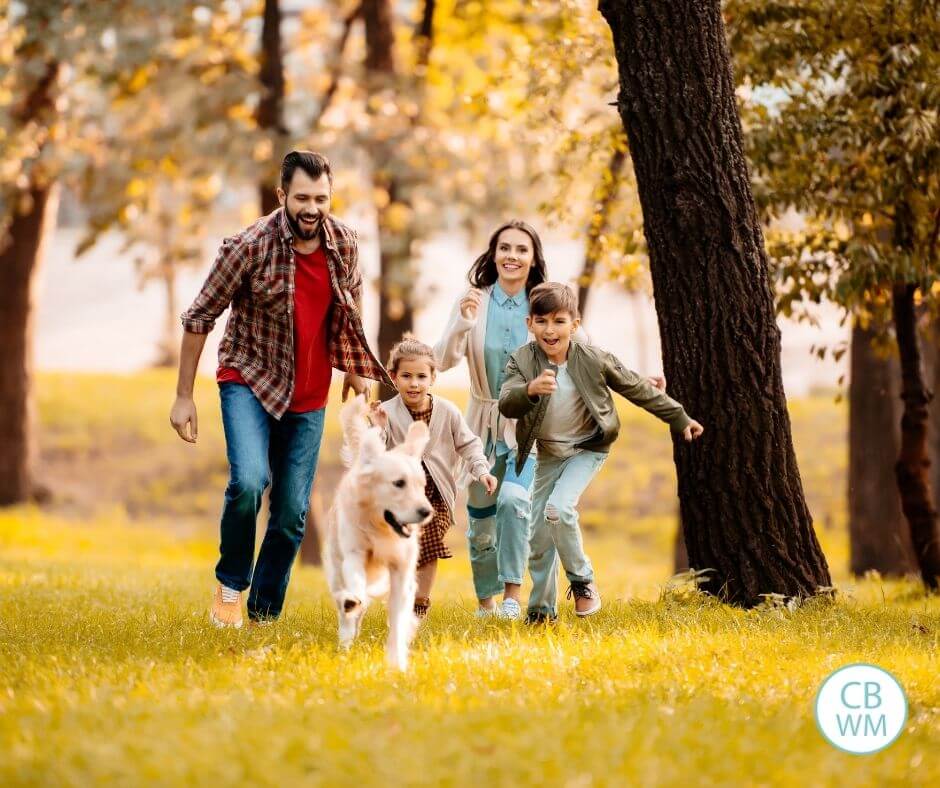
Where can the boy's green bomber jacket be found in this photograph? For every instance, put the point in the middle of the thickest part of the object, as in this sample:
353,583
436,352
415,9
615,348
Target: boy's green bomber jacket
595,372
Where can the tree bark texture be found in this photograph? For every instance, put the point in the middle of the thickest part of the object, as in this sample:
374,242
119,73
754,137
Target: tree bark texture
740,495
879,537
913,465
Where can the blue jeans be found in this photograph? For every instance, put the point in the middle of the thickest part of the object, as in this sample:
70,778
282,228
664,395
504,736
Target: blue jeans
498,527
554,530
261,451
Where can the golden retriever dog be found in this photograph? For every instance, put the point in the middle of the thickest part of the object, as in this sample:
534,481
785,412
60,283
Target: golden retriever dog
372,533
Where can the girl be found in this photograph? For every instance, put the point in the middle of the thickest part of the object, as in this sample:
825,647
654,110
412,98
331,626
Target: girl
412,368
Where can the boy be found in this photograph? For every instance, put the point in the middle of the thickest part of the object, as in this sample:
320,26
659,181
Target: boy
559,390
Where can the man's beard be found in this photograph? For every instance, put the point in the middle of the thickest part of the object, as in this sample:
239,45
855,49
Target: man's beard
298,229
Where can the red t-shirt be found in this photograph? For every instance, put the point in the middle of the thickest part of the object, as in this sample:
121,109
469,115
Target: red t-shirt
312,298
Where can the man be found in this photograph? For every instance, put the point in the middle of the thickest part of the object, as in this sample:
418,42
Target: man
294,285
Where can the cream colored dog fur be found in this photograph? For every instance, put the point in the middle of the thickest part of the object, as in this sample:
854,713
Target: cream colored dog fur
373,528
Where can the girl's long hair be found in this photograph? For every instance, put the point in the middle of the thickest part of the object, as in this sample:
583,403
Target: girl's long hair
483,272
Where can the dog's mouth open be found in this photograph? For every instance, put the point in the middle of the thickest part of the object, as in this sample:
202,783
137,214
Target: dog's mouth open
404,530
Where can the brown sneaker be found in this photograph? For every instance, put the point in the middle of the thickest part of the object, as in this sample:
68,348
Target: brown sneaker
586,599
422,603
225,614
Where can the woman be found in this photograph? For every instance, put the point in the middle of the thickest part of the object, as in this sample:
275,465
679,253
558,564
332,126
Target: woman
486,325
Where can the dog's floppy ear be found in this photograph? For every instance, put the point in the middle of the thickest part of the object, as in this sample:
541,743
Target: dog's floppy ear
416,439
371,448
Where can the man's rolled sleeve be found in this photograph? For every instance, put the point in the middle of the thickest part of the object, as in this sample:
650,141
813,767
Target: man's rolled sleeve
217,291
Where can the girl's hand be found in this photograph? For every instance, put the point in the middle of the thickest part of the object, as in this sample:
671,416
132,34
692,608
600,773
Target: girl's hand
470,304
489,482
543,384
377,415
691,432
658,382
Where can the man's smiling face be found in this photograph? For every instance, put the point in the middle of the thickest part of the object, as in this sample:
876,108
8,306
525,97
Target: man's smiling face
306,203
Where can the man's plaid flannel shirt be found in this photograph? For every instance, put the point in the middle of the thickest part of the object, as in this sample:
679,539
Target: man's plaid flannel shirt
254,272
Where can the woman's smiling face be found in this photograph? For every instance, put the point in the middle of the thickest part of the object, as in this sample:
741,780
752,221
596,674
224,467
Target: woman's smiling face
514,256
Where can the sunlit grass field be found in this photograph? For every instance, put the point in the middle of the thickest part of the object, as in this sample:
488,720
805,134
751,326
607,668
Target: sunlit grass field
112,674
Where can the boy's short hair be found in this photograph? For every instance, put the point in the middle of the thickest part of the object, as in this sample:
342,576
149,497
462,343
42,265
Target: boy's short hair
549,297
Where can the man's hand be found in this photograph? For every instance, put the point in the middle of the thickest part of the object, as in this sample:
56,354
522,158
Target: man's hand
489,482
183,413
378,415
543,384
691,432
352,381
470,304
658,382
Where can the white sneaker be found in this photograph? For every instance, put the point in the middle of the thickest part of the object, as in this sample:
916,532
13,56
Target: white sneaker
484,612
510,609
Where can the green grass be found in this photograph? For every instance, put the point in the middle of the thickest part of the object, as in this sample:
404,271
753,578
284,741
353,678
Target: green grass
112,674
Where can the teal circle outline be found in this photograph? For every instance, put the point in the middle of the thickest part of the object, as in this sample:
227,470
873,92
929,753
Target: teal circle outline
863,665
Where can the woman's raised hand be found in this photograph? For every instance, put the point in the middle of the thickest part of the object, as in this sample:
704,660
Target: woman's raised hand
470,304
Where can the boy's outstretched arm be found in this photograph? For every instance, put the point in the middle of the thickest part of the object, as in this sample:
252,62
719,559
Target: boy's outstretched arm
642,393
514,399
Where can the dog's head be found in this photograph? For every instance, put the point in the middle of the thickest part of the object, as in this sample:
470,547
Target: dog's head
396,479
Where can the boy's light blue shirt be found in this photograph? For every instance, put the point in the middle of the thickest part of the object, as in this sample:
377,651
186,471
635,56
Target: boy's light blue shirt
506,332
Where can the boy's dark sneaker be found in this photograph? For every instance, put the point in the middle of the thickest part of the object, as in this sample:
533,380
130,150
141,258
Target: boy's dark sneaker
538,617
586,599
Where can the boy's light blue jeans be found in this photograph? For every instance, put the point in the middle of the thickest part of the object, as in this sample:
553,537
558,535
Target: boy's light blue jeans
554,532
498,526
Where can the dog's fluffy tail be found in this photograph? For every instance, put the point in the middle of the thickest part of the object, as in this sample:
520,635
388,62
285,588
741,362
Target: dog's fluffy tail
353,417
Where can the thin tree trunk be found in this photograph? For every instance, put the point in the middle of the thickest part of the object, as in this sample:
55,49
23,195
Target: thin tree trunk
390,177
270,113
168,352
605,195
741,500
931,338
879,537
913,463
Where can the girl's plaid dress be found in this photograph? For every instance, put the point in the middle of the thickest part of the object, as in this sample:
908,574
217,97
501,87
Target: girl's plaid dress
431,542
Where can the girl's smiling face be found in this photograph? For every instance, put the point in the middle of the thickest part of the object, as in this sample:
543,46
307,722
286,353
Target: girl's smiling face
413,378
514,256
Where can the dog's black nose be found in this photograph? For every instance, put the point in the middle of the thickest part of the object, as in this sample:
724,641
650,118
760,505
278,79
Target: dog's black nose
424,512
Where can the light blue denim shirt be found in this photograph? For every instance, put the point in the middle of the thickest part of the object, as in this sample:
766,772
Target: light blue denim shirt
506,332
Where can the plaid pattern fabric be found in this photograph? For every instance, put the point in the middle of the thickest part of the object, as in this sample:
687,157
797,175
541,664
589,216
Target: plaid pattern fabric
431,541
254,272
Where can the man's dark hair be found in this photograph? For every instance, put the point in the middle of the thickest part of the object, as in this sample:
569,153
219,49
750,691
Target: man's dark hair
314,164
549,297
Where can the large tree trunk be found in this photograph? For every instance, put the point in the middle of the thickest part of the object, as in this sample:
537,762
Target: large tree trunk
879,538
271,106
20,262
741,499
913,463
604,197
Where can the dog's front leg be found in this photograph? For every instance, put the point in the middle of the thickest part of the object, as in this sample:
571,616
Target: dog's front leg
401,618
351,599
